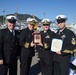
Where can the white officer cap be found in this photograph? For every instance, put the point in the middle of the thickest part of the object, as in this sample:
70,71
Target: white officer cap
61,17
31,21
11,18
46,21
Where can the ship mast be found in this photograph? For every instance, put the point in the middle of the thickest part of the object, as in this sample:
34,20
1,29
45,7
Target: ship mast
16,12
3,11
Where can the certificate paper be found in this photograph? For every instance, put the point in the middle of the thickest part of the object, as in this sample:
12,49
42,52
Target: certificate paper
74,62
56,45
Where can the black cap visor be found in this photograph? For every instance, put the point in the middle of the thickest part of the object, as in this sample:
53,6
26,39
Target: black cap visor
61,21
12,21
46,24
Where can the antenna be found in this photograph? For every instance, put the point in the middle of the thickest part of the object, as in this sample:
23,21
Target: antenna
3,11
16,12
43,14
16,8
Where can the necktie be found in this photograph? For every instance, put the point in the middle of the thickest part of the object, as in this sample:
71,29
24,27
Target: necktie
12,33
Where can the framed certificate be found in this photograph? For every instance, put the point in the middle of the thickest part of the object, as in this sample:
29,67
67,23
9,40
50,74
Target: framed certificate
56,45
74,62
37,38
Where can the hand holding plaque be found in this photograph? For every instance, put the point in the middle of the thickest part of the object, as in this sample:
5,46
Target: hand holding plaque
37,38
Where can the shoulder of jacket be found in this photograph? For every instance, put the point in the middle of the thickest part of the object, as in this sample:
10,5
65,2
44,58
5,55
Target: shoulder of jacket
4,30
69,31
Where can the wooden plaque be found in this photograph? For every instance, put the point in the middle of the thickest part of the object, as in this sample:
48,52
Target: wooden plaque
36,38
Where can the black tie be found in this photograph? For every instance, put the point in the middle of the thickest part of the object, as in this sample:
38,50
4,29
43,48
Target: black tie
12,33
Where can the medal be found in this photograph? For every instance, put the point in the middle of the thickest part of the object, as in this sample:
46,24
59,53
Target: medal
73,41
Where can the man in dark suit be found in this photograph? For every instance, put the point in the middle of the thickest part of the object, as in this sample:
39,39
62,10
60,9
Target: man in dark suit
62,58
27,51
43,48
8,46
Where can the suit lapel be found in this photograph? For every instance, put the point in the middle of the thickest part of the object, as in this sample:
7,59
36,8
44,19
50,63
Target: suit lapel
11,37
8,34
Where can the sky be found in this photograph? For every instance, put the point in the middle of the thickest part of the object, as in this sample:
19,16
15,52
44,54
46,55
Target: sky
41,8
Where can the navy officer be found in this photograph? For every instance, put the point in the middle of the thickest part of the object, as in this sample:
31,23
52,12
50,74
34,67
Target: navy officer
27,51
43,48
61,58
8,46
